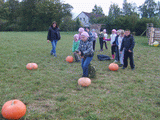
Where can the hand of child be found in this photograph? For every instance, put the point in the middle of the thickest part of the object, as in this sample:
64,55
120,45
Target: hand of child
82,56
129,51
79,53
47,41
120,52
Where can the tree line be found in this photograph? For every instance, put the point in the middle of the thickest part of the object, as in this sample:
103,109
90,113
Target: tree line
37,15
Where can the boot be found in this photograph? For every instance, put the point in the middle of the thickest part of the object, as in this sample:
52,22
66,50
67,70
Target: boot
112,56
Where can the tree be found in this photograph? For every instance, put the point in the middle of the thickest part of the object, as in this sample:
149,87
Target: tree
97,10
148,9
114,11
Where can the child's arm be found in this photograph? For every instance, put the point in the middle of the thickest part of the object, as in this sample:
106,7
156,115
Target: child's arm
122,45
132,44
73,50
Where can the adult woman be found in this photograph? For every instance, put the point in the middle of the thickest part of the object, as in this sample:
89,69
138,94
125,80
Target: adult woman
53,36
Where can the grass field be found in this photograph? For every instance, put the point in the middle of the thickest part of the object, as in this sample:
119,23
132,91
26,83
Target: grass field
51,92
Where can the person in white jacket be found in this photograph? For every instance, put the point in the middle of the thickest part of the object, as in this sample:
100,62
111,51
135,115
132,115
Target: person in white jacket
105,38
113,36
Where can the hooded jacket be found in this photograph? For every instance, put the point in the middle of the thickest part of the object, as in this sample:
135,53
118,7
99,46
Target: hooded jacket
53,34
128,43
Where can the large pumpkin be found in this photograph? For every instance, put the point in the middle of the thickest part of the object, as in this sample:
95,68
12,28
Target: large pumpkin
29,66
113,67
84,81
35,66
69,59
13,109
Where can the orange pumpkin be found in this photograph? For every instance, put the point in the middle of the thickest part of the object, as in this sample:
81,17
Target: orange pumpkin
84,81
113,67
13,109
69,59
35,66
29,66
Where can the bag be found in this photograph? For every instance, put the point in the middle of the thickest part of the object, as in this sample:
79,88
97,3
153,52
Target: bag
103,57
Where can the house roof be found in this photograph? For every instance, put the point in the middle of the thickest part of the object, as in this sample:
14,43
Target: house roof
92,14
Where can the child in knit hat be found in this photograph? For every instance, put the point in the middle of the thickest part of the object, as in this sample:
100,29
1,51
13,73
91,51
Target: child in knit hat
80,30
105,38
86,52
113,36
75,46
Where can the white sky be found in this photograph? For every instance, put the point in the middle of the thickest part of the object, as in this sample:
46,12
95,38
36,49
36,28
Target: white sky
88,5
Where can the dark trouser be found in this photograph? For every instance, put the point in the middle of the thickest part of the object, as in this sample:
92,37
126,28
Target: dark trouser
113,49
130,56
117,53
94,43
101,43
105,44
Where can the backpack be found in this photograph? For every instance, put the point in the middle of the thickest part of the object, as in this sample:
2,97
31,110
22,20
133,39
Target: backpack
103,57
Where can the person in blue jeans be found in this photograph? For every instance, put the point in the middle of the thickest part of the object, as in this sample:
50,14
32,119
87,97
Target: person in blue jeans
85,50
53,36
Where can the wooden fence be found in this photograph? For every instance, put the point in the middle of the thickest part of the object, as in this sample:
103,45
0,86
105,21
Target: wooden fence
152,33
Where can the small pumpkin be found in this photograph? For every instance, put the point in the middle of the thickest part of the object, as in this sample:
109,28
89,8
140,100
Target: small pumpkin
69,59
29,66
13,109
156,43
84,81
35,66
113,67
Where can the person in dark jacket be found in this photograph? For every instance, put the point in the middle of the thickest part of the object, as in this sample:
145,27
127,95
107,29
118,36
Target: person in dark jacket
128,45
115,43
53,36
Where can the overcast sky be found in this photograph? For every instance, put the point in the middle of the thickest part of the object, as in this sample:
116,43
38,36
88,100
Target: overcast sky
88,5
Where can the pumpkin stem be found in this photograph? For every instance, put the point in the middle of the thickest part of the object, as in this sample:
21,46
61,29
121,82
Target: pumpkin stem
12,102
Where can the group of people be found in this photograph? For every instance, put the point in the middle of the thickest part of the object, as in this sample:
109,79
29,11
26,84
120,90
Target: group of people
122,44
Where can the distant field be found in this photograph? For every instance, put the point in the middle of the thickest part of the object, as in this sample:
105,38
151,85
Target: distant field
51,92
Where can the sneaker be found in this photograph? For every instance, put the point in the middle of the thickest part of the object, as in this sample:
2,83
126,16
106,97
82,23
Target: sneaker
51,53
124,68
120,65
55,55
132,68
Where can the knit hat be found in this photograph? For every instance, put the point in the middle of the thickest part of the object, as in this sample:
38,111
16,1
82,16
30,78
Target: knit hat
81,30
85,34
76,36
104,30
113,30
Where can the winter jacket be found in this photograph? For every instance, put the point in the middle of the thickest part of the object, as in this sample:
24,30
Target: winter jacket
94,34
127,43
86,48
113,36
75,45
116,41
53,34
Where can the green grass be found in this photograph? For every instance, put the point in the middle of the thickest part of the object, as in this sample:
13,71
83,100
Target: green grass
51,92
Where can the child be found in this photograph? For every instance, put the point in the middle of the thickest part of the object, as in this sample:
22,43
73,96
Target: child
113,36
120,38
80,30
86,52
115,43
101,36
94,37
128,45
75,46
105,38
